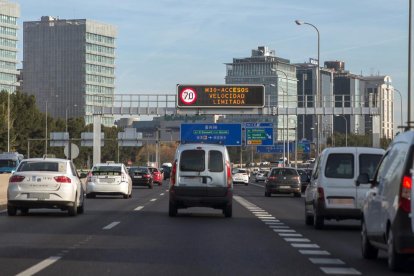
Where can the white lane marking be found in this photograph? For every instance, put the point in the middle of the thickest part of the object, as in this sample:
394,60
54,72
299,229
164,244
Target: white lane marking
297,240
161,194
111,225
304,245
290,235
284,230
154,199
269,222
314,252
340,271
40,266
326,261
139,208
280,227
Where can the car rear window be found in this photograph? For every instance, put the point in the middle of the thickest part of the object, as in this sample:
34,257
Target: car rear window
340,165
215,161
368,163
192,161
30,166
276,172
106,170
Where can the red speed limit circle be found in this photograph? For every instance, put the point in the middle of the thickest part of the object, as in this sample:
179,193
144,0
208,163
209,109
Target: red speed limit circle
188,96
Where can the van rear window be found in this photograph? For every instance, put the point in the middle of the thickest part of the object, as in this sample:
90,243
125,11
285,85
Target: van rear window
192,161
215,161
340,165
368,163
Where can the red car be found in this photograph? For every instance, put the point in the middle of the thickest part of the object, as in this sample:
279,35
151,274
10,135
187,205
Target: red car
156,175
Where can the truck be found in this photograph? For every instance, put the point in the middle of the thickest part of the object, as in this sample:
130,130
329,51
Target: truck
9,161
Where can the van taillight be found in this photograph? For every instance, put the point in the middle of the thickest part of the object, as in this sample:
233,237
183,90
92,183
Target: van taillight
321,193
405,195
16,178
173,173
229,177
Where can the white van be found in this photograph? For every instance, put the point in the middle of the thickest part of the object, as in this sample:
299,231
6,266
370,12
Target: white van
201,177
333,192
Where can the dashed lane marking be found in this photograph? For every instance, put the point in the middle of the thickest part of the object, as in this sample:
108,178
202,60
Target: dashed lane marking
139,208
297,240
326,261
154,199
314,252
340,271
111,225
40,266
304,245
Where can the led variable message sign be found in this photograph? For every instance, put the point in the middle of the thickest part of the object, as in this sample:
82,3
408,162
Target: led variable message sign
220,96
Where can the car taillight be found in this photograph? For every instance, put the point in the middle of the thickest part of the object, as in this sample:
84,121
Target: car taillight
321,193
405,194
16,178
272,178
229,176
147,175
62,179
89,177
173,173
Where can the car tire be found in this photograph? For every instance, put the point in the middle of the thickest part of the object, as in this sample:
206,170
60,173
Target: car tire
24,211
267,194
368,251
90,195
395,260
297,194
318,220
228,211
11,211
73,210
245,184
172,209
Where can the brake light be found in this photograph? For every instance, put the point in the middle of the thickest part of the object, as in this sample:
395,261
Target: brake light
173,173
229,176
405,194
272,178
16,178
321,193
62,179
147,175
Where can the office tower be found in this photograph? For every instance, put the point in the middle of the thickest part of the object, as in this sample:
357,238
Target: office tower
69,66
9,12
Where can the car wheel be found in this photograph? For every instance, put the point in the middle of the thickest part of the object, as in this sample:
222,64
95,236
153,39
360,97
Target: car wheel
395,260
90,196
11,211
150,186
228,211
298,194
368,251
24,210
73,210
318,220
267,194
245,184
172,209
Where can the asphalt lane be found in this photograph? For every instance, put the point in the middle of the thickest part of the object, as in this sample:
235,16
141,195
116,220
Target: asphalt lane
266,236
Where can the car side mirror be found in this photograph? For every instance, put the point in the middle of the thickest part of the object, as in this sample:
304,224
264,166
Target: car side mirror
363,178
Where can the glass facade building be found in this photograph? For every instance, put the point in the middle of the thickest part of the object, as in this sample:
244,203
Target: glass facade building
69,65
9,13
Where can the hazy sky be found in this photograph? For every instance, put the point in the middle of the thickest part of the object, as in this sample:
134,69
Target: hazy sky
164,42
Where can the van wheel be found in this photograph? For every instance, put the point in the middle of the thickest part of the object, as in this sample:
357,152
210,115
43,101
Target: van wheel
172,209
24,210
228,211
395,260
308,218
11,211
73,210
318,220
298,194
368,251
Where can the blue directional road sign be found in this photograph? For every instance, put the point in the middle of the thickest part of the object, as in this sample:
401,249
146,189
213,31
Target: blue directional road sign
259,133
225,134
276,148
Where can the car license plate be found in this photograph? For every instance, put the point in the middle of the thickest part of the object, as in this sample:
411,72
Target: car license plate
284,187
138,176
343,201
39,196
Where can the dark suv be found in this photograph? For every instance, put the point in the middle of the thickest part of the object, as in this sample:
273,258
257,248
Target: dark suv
387,221
283,181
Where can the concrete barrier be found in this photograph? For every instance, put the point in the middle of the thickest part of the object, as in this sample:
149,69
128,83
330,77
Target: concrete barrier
4,181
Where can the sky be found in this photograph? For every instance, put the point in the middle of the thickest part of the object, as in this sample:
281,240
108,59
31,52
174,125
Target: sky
161,43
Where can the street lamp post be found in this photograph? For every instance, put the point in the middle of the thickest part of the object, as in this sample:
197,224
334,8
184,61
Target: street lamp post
346,129
8,117
399,93
318,94
46,130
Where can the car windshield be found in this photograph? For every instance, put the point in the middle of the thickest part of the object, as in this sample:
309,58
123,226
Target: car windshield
7,163
42,166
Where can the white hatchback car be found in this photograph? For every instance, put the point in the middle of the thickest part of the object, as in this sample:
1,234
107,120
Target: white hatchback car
109,179
240,176
45,183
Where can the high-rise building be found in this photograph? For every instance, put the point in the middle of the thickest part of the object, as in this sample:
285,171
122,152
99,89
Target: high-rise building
69,65
278,76
9,12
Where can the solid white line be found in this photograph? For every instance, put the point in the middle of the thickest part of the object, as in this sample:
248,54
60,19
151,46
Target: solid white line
154,199
139,208
111,225
326,261
340,271
40,266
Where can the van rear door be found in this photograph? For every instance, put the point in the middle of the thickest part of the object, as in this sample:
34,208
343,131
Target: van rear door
367,163
216,176
192,168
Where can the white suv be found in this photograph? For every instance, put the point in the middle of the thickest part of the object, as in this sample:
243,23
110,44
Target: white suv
201,177
388,220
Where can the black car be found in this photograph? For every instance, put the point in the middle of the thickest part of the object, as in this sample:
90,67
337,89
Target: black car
283,181
141,176
304,179
167,171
